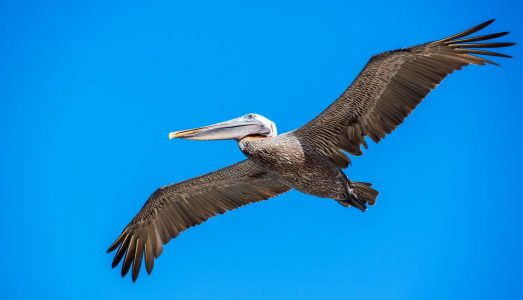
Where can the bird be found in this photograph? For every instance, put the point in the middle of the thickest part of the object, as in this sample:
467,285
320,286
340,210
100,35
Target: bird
309,159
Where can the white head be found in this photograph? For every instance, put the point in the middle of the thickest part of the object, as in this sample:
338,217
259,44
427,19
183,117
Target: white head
266,123
235,129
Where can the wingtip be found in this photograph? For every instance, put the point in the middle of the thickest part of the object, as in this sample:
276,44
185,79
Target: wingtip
486,23
466,32
483,25
149,271
113,246
125,268
124,271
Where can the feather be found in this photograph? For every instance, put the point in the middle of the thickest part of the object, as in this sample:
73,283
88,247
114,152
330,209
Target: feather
390,87
172,209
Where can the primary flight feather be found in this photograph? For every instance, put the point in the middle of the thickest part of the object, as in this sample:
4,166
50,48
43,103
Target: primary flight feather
309,159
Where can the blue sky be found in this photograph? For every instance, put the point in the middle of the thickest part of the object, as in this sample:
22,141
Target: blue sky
89,91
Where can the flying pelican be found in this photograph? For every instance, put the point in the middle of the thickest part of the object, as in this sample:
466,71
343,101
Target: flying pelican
309,159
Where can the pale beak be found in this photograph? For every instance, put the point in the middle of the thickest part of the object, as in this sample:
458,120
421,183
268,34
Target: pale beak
234,129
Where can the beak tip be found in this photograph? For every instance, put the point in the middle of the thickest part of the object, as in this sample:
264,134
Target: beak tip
172,135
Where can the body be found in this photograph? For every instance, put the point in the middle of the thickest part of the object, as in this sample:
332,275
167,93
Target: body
297,165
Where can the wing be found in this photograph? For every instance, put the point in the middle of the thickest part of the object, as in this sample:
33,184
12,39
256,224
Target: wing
174,208
390,86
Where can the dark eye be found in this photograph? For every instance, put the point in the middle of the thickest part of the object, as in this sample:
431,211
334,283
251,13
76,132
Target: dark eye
250,116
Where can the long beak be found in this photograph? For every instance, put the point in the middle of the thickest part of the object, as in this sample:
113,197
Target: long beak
234,129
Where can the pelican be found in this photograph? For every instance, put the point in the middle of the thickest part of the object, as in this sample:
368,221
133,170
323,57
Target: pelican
309,159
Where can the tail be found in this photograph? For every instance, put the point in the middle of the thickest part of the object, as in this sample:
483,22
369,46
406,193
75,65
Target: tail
361,195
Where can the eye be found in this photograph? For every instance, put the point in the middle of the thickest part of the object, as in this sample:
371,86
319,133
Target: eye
251,116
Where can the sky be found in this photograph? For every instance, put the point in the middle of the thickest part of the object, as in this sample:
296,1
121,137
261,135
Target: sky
89,91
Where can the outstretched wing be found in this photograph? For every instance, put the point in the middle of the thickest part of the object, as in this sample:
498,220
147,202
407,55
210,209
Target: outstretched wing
390,86
174,208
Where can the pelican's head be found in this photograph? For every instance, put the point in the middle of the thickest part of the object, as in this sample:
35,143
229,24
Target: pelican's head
235,129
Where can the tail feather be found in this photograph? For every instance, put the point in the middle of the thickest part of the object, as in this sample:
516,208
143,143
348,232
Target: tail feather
363,194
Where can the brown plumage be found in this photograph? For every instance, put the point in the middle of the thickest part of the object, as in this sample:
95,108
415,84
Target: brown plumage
174,208
309,159
390,86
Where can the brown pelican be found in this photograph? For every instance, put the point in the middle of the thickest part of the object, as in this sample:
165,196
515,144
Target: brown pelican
309,159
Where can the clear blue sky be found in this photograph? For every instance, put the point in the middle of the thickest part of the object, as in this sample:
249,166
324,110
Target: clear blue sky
90,90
